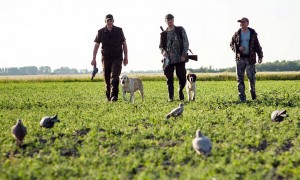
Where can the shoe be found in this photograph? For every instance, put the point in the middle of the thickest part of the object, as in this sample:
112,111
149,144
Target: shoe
170,100
114,99
253,95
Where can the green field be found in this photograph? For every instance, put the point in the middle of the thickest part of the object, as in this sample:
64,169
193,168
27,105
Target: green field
100,140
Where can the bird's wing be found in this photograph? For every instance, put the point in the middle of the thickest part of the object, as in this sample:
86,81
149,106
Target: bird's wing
45,120
282,113
13,130
176,111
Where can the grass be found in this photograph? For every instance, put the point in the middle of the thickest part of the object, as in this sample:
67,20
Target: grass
100,140
226,76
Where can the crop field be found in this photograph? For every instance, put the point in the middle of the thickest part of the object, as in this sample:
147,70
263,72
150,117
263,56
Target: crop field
101,140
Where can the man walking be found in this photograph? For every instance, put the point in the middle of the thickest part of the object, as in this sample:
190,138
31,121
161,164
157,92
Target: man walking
245,44
174,46
113,44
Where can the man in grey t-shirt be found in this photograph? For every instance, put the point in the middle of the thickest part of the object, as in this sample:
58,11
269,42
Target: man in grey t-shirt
245,44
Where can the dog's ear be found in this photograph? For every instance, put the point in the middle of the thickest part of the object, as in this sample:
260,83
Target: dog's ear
194,77
188,77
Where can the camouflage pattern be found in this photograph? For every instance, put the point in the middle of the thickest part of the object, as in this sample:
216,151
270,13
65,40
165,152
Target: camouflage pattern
173,45
243,65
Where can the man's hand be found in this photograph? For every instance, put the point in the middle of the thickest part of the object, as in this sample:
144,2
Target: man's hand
94,63
125,61
182,59
259,60
241,48
164,53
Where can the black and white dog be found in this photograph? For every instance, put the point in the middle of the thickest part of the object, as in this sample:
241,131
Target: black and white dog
191,86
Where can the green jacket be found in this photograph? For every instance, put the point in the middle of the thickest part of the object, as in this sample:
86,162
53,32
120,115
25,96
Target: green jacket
254,46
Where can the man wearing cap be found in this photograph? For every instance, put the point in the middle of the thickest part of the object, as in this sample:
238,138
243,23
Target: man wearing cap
174,45
245,44
113,44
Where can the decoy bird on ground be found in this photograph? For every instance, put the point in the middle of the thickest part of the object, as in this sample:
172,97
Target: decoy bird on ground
48,121
202,144
19,131
278,115
176,111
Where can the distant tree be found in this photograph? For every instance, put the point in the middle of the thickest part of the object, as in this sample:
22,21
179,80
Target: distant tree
65,70
28,70
44,70
84,71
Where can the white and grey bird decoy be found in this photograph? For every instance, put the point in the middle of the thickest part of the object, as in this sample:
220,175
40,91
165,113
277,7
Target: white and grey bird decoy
176,111
202,144
19,131
278,115
48,121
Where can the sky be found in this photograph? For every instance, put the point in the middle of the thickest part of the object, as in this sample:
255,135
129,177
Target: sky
59,33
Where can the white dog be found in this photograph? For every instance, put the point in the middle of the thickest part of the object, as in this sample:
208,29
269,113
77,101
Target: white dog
191,86
131,85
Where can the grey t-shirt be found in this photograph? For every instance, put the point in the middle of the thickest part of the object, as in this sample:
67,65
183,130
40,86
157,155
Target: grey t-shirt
245,38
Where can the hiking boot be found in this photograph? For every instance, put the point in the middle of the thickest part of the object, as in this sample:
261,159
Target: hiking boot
181,96
253,95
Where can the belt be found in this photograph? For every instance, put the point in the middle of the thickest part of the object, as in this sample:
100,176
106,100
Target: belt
245,55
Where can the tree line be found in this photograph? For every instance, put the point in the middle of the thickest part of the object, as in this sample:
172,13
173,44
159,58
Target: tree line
43,70
46,70
264,67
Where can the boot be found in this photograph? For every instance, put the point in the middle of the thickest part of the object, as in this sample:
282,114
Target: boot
253,95
181,95
107,95
171,93
180,92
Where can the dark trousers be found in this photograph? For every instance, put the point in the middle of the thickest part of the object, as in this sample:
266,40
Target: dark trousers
180,73
112,68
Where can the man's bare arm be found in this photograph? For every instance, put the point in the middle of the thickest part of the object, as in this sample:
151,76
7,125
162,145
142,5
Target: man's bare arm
125,62
96,47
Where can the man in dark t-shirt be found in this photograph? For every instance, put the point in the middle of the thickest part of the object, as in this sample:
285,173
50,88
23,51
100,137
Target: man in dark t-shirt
113,45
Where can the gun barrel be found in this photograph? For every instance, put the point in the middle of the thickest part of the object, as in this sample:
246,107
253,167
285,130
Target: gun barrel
162,29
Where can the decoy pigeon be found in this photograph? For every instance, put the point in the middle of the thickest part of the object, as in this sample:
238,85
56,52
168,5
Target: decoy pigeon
176,111
19,131
278,115
202,144
48,121
95,70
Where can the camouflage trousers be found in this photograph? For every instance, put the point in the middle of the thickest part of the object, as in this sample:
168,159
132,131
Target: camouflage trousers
243,65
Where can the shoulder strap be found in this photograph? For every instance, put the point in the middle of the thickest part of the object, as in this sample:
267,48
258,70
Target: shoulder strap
180,37
163,39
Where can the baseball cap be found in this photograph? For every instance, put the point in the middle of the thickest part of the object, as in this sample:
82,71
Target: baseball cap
109,16
243,19
169,16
